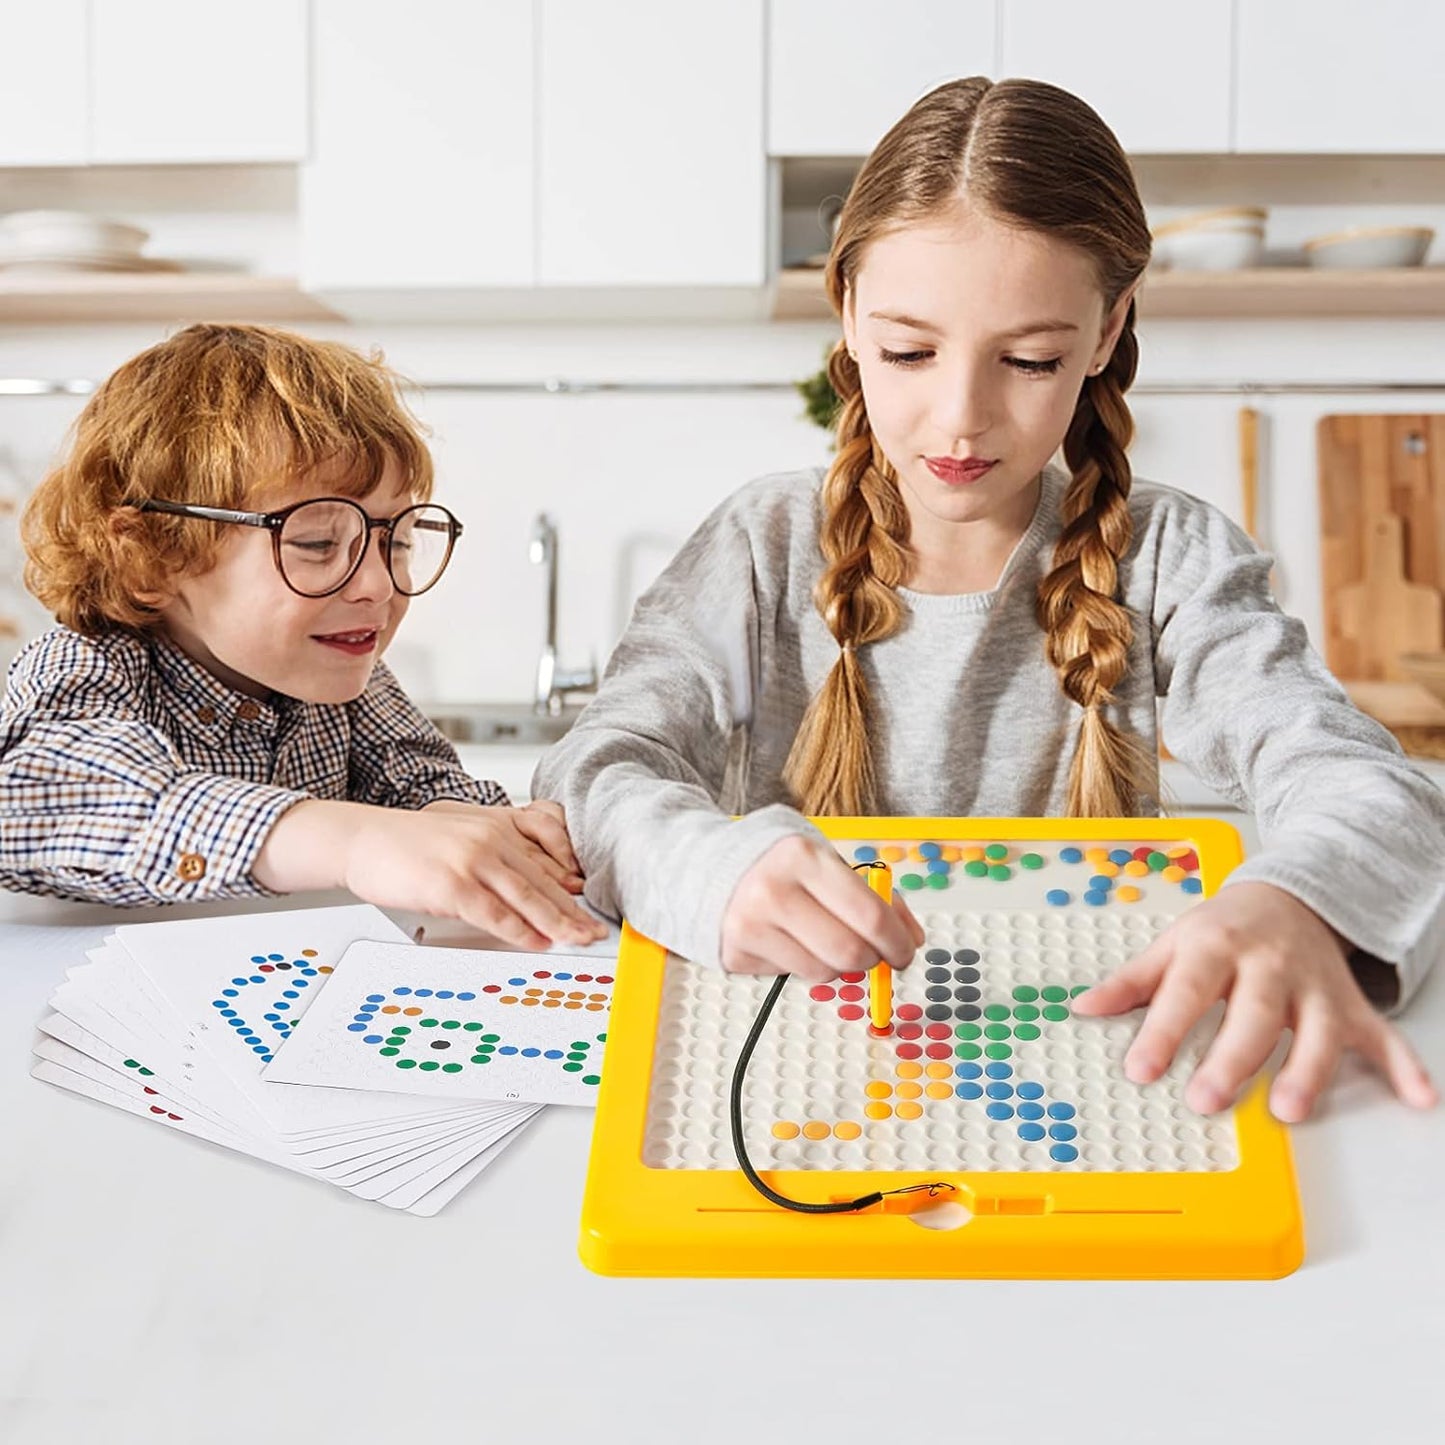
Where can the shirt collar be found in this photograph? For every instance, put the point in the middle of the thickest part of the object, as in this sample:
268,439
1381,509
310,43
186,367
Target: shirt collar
203,703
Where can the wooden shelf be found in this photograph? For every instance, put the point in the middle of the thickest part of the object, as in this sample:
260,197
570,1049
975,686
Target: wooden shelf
177,296
1272,291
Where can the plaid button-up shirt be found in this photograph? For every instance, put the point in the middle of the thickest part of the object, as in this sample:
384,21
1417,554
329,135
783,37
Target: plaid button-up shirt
130,775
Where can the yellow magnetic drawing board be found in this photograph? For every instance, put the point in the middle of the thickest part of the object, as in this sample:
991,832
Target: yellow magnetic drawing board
1062,1168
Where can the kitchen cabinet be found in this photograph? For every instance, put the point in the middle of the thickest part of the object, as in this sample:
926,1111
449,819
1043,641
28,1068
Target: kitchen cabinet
43,97
1158,74
650,161
840,72
173,81
421,171
1332,77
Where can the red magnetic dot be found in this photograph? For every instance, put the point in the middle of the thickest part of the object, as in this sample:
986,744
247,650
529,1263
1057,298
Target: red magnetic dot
1142,854
939,1051
491,988
882,1033
909,1011
822,992
939,1031
909,1051
582,977
851,1012
541,973
176,1117
850,992
910,1031
148,1088
156,1109
1189,862
603,978
266,968
852,977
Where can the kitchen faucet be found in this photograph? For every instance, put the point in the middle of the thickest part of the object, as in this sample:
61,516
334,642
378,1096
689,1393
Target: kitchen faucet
552,683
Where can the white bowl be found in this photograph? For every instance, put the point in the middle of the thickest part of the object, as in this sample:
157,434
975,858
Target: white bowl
1225,248
1216,217
1367,248
70,232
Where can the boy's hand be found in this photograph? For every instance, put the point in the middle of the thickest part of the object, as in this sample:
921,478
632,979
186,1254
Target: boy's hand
801,909
1280,966
542,821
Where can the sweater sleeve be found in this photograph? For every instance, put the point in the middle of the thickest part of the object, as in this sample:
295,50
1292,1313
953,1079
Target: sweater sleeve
1347,825
642,773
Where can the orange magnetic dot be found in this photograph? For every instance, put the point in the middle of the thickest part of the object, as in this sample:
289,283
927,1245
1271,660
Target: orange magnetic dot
554,993
877,1111
532,992
950,853
311,952
1137,868
1173,874
323,968
878,1089
576,995
816,1129
847,1129
598,997
784,1129
909,1069
593,1008
909,1091
892,853
1128,894
939,1091
910,1111
551,1003
510,998
970,855
531,1002
1108,869
570,1004
411,1013
392,1008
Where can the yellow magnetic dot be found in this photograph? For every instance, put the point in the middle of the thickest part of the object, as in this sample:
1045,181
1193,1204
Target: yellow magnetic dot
1128,893
877,1111
909,1069
910,1111
784,1129
1108,869
916,853
939,1071
1137,868
878,1089
893,853
970,855
816,1129
1173,874
939,1091
909,1091
847,1129
1182,851
950,853
1096,855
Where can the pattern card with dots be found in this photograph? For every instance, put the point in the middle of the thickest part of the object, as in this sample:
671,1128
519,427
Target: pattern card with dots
982,1080
457,1024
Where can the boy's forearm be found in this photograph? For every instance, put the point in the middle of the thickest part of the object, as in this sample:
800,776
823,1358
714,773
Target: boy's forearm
306,849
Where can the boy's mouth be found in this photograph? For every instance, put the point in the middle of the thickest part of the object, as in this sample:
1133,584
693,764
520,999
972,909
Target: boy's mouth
354,644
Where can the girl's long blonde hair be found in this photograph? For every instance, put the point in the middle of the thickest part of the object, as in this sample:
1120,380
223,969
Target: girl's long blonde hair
1036,157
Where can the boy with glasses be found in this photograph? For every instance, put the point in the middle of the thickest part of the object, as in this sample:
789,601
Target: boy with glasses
229,547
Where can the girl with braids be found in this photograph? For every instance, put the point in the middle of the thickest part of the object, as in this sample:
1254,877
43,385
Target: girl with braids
946,624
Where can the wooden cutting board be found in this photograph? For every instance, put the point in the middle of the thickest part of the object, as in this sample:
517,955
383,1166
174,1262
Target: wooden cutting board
1383,615
1372,466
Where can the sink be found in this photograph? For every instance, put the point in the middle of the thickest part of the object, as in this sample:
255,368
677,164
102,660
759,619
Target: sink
515,723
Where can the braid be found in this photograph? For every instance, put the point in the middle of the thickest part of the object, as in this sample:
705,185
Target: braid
1087,630
863,538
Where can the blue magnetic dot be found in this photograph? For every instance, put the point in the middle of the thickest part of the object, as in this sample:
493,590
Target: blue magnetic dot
1192,885
228,1013
466,997
531,1053
1057,897
218,1003
280,1028
1031,1111
563,977
968,1091
967,1071
376,998
259,978
1061,1111
369,1008
372,1039
1000,1111
1000,1091
516,982
1121,856
261,1049
245,1033
507,1049
1064,1153
1070,855
401,990
270,1018
1063,1132
423,993
929,851
300,983
1031,1091
235,1022
553,1054
1100,884
309,972
445,993
1032,1132
999,1071
1096,898
865,854
356,1028
230,993
278,1004
239,982
258,958
361,1018
289,993
275,958
937,865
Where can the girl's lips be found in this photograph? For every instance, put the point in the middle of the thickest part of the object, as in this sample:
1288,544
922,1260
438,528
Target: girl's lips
354,644
958,473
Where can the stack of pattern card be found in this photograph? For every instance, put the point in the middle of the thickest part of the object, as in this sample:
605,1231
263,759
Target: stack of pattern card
186,1022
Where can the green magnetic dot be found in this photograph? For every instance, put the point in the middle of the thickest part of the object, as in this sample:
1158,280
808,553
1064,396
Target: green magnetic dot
998,1051
601,1038
1026,1032
997,1031
400,1029
1077,989
481,1058
578,1056
487,1049
577,1045
1026,1013
572,1068
1031,861
406,1063
591,1078
910,881
968,1031
452,1024
1000,873
976,869
995,851
938,880
473,1027
968,1051
996,1011
451,1068
1157,861
491,1038
430,1065
428,1023
1054,994
1056,1013
131,1064
1024,994
149,1073
387,1053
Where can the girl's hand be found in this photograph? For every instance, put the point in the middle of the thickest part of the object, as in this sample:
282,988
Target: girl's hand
801,909
1280,966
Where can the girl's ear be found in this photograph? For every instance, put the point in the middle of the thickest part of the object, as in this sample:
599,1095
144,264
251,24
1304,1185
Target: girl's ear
850,324
1113,328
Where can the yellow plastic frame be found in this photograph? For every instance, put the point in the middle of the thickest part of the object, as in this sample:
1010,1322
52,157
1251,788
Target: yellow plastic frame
1243,1223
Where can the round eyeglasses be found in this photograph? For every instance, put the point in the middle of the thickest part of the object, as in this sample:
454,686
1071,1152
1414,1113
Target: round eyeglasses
319,545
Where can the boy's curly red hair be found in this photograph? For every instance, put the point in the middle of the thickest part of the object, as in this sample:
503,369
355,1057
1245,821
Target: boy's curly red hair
217,416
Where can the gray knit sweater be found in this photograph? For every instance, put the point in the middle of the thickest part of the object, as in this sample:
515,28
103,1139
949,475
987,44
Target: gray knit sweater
704,694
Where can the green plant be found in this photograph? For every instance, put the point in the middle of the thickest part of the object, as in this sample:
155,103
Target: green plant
820,401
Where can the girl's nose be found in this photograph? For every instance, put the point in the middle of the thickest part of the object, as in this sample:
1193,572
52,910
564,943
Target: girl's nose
963,406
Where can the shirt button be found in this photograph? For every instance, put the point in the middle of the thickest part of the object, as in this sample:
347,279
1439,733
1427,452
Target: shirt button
248,711
191,867
206,715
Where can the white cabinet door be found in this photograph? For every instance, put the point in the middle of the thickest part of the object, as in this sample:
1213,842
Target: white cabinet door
43,89
1335,76
421,166
651,170
1158,74
178,81
840,72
